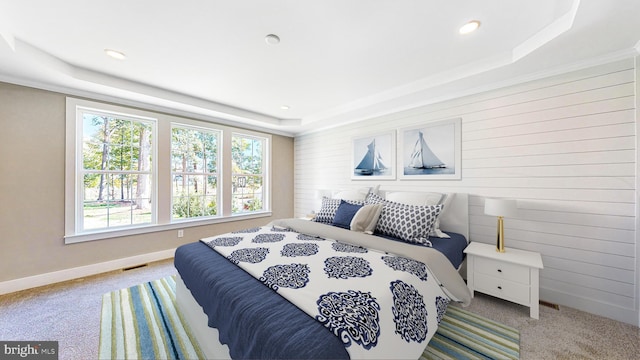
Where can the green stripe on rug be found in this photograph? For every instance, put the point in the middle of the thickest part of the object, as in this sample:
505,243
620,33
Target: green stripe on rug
464,335
142,322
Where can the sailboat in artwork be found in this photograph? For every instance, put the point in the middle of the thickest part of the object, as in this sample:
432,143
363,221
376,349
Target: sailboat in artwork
371,162
422,157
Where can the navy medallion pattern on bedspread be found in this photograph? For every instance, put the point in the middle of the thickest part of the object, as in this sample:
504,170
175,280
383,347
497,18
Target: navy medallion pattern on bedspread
299,250
344,267
293,276
409,312
409,265
348,248
225,241
352,316
253,256
379,305
441,305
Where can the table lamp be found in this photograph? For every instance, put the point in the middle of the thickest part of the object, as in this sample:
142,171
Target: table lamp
500,208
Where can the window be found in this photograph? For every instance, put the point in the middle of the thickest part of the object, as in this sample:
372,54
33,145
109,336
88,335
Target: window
116,173
194,170
248,155
132,171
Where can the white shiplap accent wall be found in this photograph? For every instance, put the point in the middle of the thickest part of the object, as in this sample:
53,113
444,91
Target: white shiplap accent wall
563,146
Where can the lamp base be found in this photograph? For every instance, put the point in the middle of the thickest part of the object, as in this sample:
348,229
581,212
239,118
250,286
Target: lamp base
500,236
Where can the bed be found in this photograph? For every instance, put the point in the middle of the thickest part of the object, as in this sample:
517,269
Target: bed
304,289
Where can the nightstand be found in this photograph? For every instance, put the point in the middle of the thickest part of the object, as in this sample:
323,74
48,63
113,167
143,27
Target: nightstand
512,275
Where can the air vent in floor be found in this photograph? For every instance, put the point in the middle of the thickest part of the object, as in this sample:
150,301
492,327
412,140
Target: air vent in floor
134,267
551,305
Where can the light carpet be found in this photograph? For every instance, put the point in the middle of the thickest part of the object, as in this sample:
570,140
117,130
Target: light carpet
142,322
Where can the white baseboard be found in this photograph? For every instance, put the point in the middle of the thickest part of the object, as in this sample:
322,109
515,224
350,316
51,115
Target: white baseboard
82,271
625,315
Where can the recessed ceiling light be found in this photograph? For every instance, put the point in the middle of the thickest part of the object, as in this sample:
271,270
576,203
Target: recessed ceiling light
115,54
272,39
284,107
471,26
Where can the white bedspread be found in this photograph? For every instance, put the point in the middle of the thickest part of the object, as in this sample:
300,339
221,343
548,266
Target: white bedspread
381,306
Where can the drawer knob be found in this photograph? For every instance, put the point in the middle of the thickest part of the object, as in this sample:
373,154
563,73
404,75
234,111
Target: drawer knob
500,287
499,270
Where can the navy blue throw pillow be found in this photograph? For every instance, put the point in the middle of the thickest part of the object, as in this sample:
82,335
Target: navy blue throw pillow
344,214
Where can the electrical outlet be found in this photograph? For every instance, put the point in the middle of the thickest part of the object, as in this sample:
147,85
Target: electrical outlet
180,233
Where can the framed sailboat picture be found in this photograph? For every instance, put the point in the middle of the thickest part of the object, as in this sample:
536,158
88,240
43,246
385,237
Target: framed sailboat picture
374,156
431,151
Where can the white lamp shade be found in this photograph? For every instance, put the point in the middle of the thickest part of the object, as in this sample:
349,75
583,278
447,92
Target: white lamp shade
500,207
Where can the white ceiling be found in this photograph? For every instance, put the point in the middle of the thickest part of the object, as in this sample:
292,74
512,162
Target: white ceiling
338,61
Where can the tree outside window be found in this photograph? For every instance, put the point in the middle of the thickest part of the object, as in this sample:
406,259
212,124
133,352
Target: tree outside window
116,171
194,171
248,167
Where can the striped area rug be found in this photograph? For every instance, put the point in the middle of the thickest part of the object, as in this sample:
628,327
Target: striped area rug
464,335
141,322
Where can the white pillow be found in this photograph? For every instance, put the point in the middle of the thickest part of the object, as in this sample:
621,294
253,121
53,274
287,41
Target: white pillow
366,218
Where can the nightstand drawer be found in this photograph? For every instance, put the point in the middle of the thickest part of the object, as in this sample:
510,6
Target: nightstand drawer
502,270
503,289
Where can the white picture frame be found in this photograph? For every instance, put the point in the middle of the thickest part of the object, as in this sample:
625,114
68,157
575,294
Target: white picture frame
431,151
373,157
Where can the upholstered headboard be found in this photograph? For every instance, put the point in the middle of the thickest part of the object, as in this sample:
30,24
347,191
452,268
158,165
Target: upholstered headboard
456,217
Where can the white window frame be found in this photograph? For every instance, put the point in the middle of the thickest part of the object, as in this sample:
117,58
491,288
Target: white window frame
161,192
80,171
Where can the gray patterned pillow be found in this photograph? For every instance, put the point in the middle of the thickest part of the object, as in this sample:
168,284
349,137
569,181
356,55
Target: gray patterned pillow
328,209
410,223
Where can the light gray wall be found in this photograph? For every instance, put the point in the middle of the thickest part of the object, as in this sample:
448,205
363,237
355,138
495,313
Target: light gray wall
32,144
563,146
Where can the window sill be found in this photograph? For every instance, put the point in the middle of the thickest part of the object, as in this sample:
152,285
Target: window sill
101,235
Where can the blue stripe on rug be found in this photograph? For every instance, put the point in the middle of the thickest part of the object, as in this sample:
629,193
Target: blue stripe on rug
168,329
146,345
